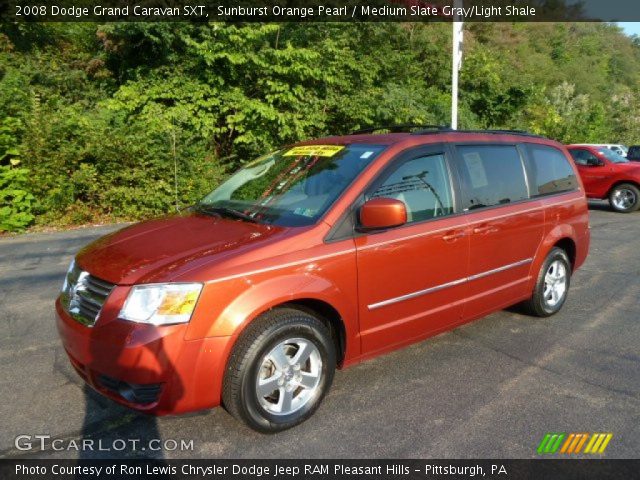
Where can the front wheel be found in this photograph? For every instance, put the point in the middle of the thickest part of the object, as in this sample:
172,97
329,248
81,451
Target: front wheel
552,286
625,198
279,371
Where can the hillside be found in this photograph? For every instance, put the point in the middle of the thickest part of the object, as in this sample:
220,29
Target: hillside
100,122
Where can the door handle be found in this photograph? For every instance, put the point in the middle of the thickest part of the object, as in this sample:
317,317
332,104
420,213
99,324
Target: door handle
453,236
484,229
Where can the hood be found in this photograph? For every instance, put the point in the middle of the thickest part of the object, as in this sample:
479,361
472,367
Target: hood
154,251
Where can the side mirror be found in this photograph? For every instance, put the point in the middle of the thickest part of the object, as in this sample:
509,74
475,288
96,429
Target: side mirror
381,212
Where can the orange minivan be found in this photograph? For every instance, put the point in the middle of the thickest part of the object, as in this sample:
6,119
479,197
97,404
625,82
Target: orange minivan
317,256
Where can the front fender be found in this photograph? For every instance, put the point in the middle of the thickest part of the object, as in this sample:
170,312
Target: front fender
270,293
251,298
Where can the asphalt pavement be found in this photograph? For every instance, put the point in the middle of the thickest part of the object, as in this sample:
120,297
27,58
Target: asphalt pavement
490,389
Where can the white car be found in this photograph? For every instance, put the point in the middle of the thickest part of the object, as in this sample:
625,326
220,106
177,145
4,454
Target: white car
616,147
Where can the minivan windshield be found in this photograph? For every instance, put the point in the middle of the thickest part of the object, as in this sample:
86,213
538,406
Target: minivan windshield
612,156
290,187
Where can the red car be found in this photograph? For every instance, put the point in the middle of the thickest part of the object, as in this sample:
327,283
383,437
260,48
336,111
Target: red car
319,256
607,175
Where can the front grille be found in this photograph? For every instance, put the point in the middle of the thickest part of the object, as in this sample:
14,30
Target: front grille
83,295
132,392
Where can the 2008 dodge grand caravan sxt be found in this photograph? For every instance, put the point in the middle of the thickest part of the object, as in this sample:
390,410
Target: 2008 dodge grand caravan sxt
319,255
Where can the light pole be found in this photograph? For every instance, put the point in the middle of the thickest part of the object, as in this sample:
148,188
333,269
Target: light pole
456,62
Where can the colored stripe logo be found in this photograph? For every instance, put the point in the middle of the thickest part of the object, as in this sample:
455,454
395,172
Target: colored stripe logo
573,443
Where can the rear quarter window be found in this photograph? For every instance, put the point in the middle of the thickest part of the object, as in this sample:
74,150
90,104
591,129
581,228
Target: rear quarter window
549,171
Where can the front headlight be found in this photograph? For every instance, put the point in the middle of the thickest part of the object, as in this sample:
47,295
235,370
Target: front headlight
162,303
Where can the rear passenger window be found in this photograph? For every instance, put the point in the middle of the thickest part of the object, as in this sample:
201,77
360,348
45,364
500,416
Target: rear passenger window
549,171
491,175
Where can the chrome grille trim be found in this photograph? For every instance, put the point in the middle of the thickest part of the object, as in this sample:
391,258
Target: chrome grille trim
100,286
84,295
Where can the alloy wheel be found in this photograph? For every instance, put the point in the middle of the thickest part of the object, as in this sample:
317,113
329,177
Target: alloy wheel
289,376
624,199
555,283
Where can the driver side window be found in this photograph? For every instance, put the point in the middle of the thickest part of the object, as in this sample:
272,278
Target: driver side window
422,184
583,157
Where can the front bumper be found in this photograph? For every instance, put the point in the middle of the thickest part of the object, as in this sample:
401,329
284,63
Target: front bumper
147,368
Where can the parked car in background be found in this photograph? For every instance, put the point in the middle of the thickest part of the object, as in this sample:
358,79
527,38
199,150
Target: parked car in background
633,154
319,255
615,147
621,150
607,175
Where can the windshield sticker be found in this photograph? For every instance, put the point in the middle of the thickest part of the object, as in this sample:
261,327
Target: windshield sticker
366,154
314,151
306,212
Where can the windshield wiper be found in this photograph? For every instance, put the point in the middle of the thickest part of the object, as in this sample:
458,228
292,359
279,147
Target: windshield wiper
225,211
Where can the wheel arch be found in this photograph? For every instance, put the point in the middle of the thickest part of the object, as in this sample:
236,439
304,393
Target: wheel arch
562,236
635,183
313,294
327,314
568,244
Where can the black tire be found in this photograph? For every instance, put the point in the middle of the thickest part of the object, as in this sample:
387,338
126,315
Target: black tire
630,201
539,305
240,396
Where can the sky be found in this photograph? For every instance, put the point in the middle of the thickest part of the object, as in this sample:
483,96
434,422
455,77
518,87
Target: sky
630,28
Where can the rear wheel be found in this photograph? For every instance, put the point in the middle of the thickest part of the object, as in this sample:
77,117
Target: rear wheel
552,286
625,198
279,371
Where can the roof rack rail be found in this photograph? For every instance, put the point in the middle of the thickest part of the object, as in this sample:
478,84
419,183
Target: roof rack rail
511,132
402,128
433,129
523,133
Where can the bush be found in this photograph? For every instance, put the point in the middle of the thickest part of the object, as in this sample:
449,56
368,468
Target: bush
16,202
127,120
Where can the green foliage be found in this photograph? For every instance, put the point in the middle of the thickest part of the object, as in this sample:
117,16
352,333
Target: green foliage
16,202
131,120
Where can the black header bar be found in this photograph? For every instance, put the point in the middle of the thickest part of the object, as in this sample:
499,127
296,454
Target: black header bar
319,10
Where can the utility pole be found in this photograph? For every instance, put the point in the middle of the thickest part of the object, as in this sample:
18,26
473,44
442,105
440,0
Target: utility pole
456,62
